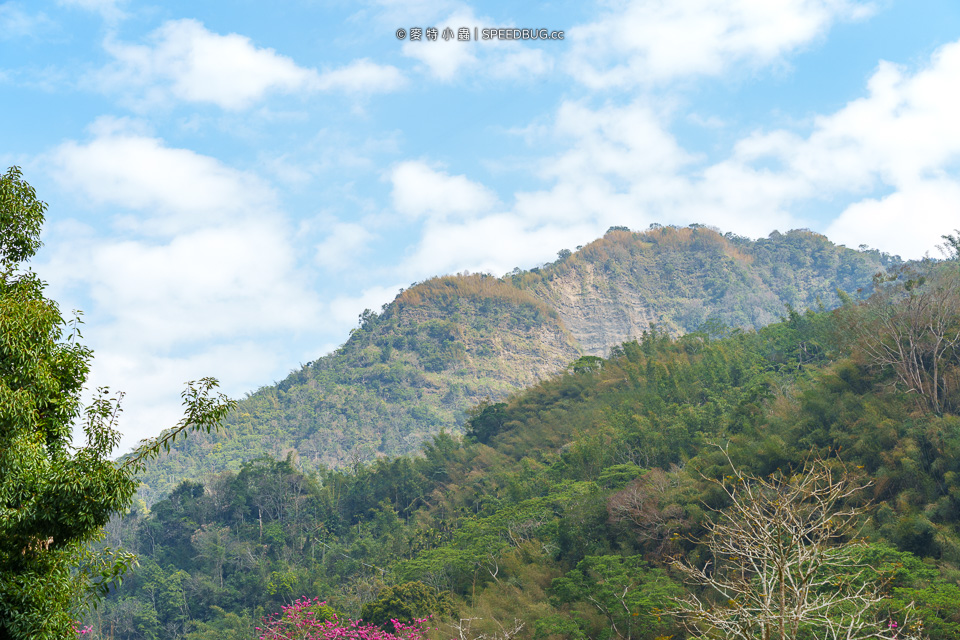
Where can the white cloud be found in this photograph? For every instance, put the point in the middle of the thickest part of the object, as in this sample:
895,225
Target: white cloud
493,244
903,136
201,266
446,60
341,248
226,301
419,190
187,62
109,9
184,61
173,188
627,142
904,128
362,76
894,152
205,284
648,41
622,167
910,222
17,23
202,250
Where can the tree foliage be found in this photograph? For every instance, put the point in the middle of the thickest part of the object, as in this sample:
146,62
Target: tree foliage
624,591
55,499
406,603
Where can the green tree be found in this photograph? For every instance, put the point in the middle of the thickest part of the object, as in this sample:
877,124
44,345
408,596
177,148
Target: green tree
628,595
55,498
486,420
406,603
225,625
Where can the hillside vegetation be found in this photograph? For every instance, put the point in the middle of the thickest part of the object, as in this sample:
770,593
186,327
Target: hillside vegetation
446,344
563,505
404,375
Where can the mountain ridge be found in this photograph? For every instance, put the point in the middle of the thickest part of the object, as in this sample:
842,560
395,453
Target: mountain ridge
445,344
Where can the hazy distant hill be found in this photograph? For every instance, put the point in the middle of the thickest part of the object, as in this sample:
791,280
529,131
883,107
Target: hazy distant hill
447,343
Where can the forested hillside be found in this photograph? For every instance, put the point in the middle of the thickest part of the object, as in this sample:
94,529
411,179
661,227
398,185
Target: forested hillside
561,508
445,344
404,375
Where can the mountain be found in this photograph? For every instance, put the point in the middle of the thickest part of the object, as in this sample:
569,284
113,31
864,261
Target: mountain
566,507
446,344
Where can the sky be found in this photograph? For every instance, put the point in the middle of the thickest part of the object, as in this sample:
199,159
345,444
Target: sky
230,184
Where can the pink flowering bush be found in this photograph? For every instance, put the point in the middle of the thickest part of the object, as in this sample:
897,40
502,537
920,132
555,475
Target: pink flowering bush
308,619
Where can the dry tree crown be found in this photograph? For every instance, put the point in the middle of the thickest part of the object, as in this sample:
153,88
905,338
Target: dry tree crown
787,563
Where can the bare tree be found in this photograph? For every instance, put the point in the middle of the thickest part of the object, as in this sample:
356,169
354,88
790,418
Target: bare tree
913,327
641,503
786,564
465,632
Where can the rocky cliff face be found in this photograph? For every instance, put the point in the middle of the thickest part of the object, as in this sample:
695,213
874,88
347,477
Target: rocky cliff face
615,288
597,310
499,331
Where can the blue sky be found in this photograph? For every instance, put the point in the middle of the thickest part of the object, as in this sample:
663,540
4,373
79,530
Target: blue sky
231,184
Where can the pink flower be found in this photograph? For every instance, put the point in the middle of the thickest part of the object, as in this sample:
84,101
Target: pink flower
298,622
